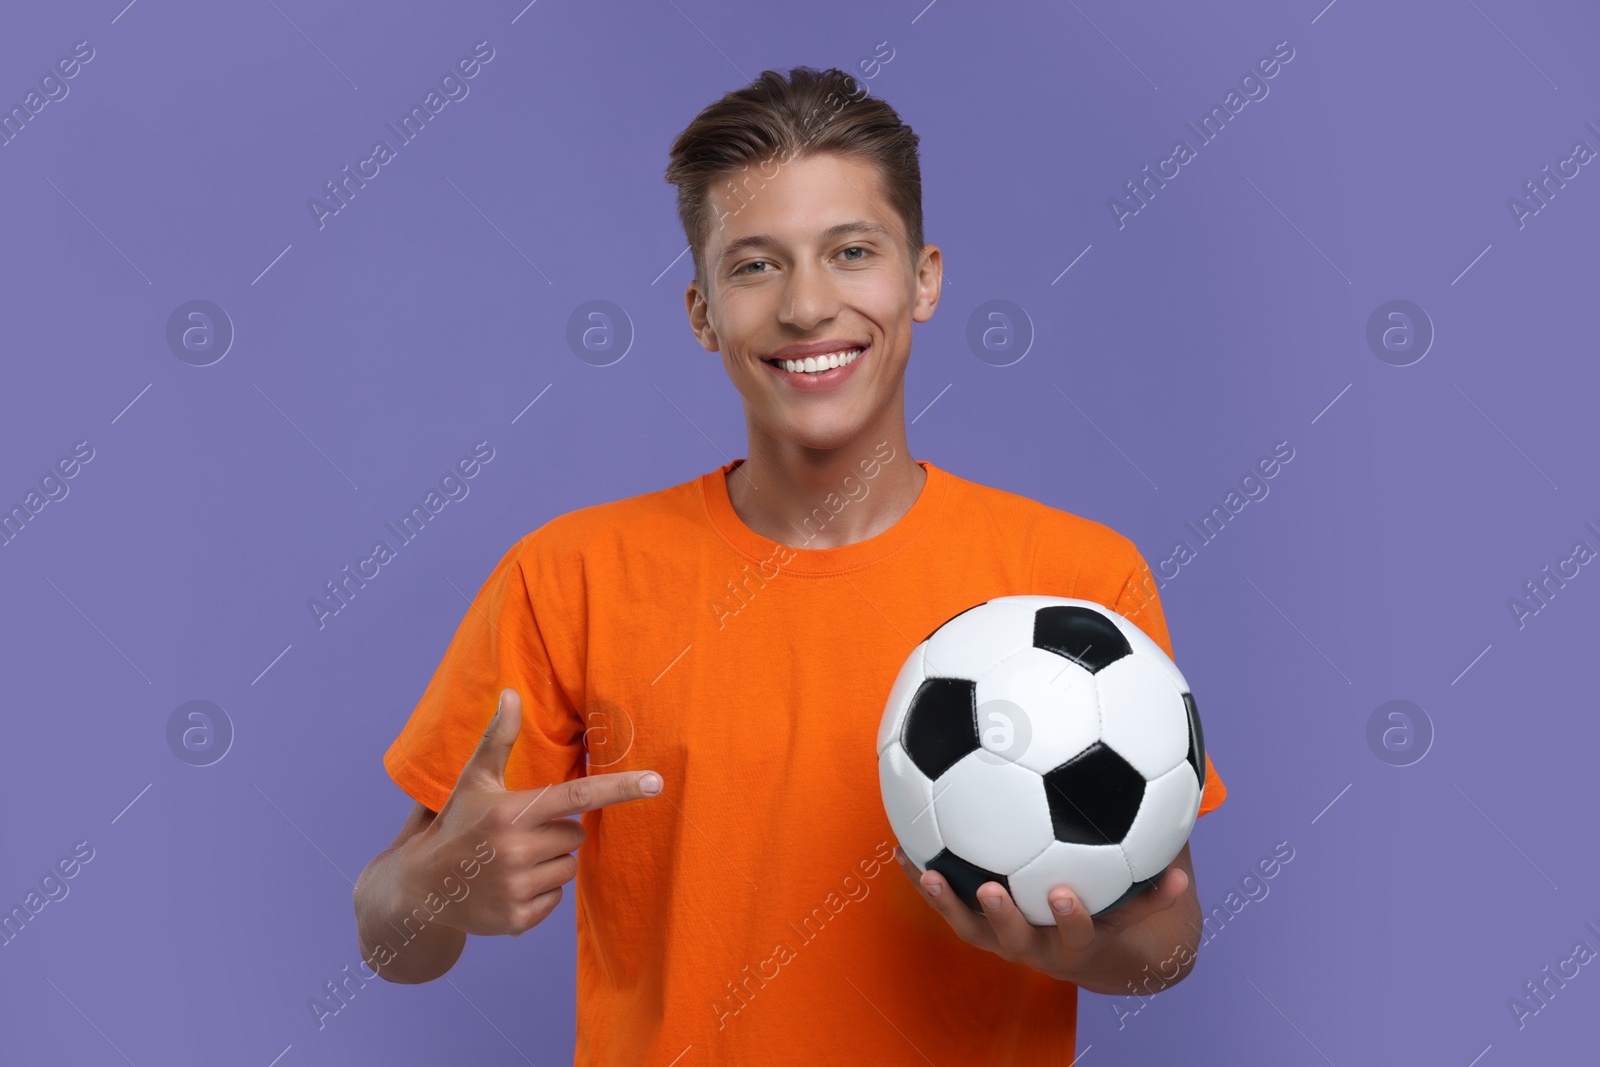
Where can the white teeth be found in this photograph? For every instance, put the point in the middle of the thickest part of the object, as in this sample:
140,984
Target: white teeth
818,364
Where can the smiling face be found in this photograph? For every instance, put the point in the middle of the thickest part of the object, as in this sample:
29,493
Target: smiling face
810,263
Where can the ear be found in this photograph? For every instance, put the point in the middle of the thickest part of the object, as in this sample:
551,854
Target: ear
699,308
930,280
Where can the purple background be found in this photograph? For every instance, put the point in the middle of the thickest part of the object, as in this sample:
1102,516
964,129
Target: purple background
1228,315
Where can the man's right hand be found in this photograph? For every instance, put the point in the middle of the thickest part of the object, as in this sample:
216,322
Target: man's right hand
530,831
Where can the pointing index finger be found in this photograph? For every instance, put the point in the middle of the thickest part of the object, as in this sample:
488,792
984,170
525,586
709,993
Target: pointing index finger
588,793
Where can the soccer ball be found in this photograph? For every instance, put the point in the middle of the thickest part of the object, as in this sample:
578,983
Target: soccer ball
1038,741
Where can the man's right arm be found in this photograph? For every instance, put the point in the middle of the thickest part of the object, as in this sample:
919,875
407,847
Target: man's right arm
384,899
512,850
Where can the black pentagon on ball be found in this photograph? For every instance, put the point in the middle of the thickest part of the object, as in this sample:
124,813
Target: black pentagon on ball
1081,634
1197,743
1094,797
941,724
964,877
1132,891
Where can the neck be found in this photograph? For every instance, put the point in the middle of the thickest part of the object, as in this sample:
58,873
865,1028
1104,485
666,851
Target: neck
826,498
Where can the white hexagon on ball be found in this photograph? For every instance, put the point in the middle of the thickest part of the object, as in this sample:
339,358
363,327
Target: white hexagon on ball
992,815
1098,874
900,694
1171,804
968,645
1145,648
1059,699
908,801
1146,723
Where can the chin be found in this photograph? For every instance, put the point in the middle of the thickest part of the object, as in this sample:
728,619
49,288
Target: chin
824,436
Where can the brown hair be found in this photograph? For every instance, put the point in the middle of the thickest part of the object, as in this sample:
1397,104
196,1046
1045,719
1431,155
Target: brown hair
808,113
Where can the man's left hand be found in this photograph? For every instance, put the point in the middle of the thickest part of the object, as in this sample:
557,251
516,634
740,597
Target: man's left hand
1079,948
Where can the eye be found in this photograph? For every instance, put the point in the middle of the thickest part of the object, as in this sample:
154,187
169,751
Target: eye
758,262
857,248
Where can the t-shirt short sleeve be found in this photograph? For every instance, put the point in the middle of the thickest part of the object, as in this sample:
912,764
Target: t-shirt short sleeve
499,645
1140,604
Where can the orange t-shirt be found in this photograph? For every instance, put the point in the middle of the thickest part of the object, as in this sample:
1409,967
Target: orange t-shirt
753,913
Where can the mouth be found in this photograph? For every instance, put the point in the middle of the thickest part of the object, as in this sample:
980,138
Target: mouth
814,371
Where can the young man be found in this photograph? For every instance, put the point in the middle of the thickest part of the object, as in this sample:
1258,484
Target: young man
729,643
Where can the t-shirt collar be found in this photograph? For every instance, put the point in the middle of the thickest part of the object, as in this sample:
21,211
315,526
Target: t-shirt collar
821,562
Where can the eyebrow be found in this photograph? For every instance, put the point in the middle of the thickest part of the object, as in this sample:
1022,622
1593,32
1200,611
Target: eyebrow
831,234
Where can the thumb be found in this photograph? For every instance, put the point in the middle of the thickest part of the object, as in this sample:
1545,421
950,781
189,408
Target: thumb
488,763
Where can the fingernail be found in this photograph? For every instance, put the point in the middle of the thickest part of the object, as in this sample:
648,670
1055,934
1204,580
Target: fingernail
1062,905
650,783
933,888
991,902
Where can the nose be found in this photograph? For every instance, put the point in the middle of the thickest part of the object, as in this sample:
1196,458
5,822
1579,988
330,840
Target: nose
809,297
